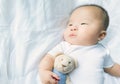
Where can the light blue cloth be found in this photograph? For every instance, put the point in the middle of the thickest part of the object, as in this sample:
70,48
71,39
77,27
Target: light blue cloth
62,76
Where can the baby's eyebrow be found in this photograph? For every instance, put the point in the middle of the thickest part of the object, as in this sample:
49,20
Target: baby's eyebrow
69,21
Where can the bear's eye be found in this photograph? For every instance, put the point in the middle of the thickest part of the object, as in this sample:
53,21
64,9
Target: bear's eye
61,59
69,62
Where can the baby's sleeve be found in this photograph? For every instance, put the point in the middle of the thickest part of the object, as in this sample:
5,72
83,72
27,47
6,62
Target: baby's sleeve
56,49
108,62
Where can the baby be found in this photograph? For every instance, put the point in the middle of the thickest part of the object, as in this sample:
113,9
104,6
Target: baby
87,26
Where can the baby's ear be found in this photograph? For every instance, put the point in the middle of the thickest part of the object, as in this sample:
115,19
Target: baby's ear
102,35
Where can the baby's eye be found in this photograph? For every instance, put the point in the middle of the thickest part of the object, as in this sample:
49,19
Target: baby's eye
70,24
84,24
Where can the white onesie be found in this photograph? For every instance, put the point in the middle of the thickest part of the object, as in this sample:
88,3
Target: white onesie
91,61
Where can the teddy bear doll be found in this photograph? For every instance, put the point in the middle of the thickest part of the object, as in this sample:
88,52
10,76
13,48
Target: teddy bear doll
63,65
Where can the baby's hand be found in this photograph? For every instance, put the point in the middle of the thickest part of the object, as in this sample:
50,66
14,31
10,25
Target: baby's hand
48,77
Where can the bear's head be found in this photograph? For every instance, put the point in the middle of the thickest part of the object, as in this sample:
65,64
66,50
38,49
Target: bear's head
64,64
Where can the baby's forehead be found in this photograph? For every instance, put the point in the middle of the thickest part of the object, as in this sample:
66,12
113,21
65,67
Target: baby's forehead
91,9
87,11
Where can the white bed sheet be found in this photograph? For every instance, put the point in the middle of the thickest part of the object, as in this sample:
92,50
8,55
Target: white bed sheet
29,28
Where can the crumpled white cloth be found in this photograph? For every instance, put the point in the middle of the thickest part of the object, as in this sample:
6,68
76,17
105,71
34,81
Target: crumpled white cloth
30,28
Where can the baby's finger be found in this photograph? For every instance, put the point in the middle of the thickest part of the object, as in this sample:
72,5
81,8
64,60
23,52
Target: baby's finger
54,76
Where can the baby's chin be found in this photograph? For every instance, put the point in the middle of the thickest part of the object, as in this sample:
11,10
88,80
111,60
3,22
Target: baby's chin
73,42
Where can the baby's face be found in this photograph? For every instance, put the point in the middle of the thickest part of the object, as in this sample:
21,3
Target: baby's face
85,26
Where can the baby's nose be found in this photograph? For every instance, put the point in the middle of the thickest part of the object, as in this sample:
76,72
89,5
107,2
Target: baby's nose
74,28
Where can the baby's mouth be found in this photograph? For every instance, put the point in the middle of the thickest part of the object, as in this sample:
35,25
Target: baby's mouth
72,35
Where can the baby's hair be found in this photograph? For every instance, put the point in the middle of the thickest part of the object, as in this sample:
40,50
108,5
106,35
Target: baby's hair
105,14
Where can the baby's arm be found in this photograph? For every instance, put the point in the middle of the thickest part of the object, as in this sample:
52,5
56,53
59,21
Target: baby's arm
114,70
45,70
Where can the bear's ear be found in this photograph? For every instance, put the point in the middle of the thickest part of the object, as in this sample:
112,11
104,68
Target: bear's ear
76,63
58,54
